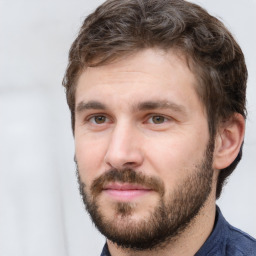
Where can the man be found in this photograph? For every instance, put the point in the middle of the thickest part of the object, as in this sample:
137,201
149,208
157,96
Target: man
156,90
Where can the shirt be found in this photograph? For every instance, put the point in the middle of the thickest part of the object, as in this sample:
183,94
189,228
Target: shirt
225,240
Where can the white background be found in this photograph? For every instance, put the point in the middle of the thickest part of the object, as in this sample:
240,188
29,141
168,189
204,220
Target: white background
41,212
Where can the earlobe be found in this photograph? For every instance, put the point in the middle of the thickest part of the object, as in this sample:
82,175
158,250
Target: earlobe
228,141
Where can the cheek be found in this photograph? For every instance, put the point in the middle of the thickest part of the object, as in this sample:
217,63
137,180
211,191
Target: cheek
90,158
174,159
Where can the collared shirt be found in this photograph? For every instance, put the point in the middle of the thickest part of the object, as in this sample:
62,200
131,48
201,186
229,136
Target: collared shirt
225,240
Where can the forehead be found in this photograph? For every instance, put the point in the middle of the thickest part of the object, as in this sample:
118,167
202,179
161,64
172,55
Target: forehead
149,74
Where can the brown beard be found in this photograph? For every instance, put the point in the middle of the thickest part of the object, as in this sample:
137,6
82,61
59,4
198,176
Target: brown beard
169,218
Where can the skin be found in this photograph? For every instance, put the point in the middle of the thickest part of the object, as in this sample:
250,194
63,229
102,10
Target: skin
164,141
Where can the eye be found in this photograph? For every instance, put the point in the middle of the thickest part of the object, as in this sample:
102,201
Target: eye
98,119
157,119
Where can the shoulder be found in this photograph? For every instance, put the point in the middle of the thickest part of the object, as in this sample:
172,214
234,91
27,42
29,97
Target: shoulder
239,243
226,240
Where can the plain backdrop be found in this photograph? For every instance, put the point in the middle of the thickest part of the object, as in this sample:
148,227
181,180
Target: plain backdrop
41,212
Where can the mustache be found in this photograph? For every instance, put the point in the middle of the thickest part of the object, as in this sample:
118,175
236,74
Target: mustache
127,175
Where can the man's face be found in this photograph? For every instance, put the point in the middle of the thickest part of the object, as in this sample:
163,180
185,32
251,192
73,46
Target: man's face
143,150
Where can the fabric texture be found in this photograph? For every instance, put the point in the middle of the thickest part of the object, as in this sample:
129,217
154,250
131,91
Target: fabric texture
225,240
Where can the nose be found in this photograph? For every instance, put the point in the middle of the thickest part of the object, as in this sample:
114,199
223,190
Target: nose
124,148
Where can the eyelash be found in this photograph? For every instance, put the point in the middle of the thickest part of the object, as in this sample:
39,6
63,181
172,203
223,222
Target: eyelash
164,119
91,119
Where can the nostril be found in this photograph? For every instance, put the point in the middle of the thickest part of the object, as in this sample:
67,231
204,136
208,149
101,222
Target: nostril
120,161
128,164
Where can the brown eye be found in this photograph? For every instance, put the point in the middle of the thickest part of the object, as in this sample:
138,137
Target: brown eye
99,119
158,119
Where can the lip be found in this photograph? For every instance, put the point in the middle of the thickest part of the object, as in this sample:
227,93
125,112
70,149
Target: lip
125,191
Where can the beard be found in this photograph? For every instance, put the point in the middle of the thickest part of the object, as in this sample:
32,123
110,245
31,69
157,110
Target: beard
165,222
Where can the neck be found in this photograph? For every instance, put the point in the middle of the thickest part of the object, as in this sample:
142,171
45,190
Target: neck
187,243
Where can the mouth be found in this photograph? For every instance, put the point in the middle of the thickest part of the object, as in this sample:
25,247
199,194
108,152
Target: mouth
125,191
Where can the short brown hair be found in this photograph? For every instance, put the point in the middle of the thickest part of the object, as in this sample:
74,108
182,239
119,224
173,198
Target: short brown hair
117,28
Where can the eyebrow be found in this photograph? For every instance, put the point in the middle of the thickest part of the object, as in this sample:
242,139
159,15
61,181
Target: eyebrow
142,106
162,104
90,105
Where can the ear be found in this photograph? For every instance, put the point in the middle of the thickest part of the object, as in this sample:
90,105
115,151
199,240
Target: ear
228,141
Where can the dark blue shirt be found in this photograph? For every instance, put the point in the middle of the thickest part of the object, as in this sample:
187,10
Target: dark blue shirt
225,240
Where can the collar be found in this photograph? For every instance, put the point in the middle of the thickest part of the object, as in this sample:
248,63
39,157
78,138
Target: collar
105,251
217,237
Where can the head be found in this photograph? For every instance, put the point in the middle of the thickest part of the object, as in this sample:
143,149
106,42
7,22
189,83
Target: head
119,30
